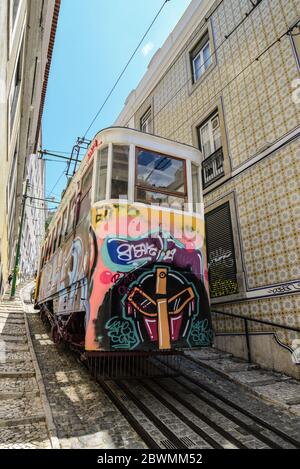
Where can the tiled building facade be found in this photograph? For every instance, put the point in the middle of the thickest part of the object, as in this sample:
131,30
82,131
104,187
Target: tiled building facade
227,81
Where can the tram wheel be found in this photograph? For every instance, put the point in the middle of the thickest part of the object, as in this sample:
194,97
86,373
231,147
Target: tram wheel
55,335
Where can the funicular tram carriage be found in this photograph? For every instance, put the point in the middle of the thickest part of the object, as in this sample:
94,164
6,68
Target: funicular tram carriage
123,267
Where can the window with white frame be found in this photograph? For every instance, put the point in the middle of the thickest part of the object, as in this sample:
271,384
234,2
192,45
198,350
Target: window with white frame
145,121
201,57
13,12
15,89
210,135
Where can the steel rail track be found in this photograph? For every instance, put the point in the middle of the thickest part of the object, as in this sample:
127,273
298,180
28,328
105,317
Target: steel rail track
261,422
136,425
196,412
270,427
177,442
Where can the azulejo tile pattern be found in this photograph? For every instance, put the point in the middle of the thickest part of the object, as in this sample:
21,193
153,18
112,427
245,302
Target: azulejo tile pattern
258,111
285,310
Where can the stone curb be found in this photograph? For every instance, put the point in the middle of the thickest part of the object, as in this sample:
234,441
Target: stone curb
47,409
22,421
245,386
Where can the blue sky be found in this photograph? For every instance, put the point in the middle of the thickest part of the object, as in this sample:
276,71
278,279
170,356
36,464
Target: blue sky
94,40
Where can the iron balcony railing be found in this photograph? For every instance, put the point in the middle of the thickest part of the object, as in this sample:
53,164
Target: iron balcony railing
213,167
246,329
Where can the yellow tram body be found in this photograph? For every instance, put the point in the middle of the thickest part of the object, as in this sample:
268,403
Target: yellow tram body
123,266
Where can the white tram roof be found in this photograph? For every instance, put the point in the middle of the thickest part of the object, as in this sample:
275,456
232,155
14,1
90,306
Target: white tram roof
124,136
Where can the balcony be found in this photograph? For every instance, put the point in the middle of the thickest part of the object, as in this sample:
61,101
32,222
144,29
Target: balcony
212,167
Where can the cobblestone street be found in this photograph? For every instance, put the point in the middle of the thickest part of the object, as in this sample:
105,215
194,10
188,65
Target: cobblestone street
50,400
22,415
83,415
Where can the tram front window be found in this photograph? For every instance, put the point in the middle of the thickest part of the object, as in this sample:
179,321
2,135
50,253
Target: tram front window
119,178
160,179
101,173
156,198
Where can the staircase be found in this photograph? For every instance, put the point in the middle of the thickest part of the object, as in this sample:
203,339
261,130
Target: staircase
22,416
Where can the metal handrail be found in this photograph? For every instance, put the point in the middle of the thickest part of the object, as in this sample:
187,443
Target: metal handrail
260,321
268,323
209,164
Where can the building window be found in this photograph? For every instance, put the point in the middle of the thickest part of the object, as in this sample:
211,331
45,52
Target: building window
220,252
14,8
210,143
15,90
200,57
146,121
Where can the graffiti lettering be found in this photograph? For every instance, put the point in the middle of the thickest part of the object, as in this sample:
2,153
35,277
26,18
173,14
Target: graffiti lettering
220,256
122,333
93,147
285,288
200,334
128,253
123,254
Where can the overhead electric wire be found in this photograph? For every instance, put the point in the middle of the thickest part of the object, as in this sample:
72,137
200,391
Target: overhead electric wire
256,59
59,178
125,68
226,37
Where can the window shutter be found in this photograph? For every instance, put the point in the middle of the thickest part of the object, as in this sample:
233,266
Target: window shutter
220,252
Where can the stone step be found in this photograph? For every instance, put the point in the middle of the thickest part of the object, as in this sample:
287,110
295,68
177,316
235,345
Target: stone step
15,374
11,305
12,311
4,309
19,395
13,314
13,338
16,367
15,347
12,422
24,410
8,319
17,356
12,330
34,436
17,385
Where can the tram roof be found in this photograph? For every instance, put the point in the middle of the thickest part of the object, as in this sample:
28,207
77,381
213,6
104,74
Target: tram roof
126,136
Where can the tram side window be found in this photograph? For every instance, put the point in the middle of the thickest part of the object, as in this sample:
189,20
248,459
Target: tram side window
160,179
42,257
64,223
85,200
49,248
55,239
196,188
102,158
59,232
119,180
71,215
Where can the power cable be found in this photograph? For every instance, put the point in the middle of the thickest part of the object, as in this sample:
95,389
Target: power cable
125,68
208,59
257,58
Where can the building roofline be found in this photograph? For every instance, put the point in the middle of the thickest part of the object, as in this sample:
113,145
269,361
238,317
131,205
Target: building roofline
47,69
165,56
